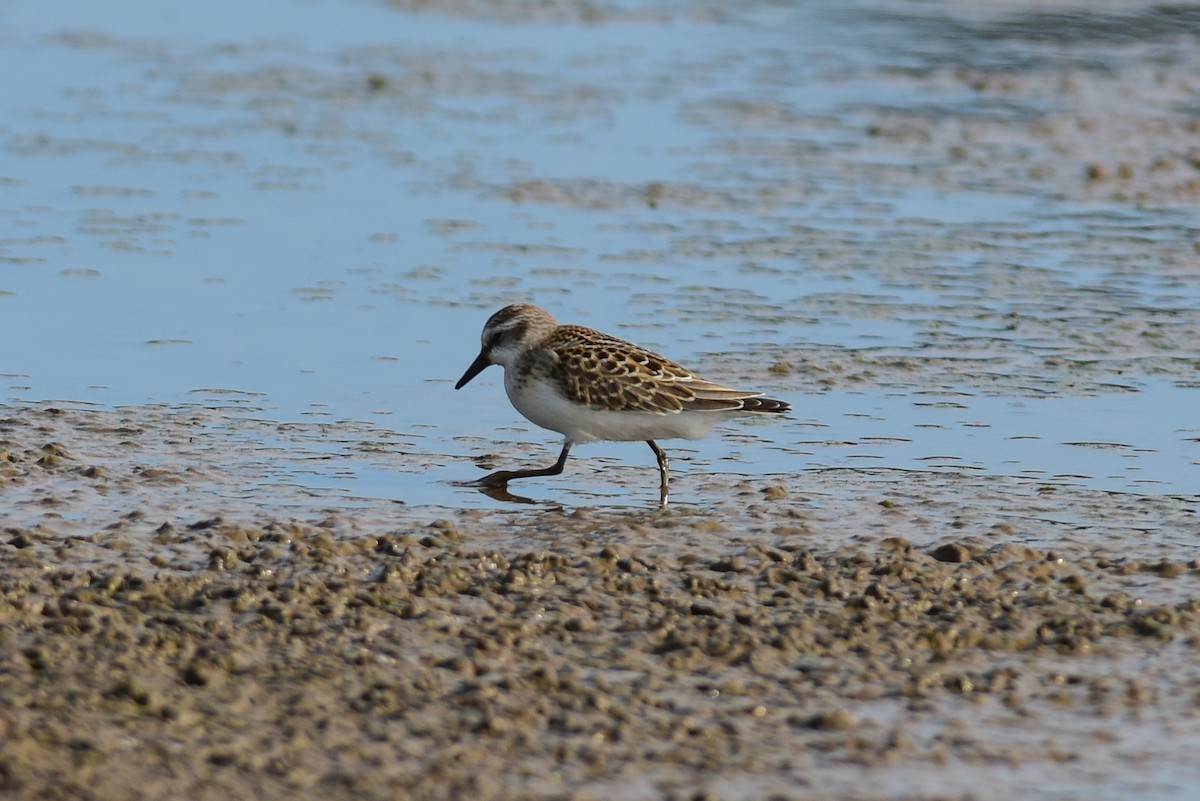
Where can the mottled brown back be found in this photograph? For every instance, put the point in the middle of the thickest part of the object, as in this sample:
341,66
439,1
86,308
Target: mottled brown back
610,374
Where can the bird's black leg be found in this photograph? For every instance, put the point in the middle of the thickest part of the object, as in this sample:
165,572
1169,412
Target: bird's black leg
501,477
664,471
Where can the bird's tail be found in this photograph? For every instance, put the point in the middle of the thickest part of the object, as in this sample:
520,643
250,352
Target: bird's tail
765,405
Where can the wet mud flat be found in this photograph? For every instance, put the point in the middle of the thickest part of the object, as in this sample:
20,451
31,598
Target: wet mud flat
787,650
186,613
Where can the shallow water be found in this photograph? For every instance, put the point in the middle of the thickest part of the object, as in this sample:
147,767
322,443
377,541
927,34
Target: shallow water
314,216
269,235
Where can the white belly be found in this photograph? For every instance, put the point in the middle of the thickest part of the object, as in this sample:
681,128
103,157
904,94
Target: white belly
540,404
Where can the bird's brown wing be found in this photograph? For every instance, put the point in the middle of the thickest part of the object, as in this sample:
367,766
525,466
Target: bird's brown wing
606,373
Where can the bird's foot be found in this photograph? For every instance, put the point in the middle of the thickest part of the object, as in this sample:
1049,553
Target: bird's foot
495,486
497,480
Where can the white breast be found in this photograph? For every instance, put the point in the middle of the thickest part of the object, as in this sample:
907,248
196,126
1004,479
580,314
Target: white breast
541,404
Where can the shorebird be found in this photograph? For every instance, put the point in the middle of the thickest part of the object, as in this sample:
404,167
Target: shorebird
590,386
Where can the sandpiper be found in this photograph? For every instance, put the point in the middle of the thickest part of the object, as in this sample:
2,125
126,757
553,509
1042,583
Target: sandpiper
590,386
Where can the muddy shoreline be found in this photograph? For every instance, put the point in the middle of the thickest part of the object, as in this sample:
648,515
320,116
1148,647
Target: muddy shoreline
585,654
205,597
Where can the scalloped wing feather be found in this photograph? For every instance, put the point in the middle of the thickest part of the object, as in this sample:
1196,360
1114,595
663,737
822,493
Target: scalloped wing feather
610,374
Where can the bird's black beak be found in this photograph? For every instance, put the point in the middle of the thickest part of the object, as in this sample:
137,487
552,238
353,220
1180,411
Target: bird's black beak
477,367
